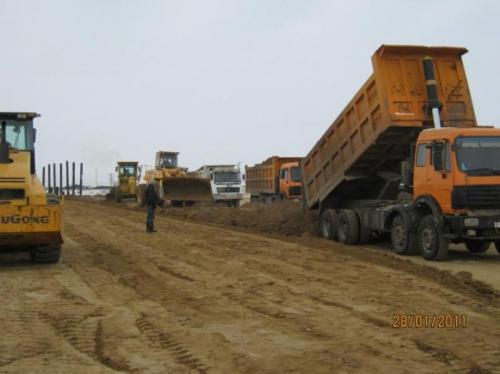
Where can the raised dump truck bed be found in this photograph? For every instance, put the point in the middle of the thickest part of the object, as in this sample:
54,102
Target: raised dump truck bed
365,145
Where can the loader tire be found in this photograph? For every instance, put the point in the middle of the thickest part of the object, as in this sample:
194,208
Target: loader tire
46,254
118,195
52,199
141,193
348,227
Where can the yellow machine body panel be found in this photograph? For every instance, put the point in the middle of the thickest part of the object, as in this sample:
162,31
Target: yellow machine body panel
23,225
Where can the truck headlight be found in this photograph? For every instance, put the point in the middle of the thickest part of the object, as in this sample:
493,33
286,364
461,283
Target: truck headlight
471,222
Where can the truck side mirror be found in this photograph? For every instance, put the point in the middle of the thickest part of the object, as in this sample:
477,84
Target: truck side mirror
438,156
243,177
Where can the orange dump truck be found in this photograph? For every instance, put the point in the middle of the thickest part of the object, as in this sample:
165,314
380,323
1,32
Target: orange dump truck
406,157
275,178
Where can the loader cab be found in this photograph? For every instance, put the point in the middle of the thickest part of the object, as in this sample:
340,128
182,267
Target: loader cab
166,160
17,134
127,169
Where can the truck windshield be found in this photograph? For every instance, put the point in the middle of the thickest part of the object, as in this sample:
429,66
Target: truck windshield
17,134
226,177
295,173
479,155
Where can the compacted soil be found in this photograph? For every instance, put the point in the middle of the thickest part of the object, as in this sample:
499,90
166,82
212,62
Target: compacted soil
197,298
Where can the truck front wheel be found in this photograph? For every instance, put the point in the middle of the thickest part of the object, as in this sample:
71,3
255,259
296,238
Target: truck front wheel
328,224
404,242
431,241
497,246
476,246
348,227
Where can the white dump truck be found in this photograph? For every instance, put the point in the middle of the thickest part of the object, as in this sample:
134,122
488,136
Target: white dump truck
226,182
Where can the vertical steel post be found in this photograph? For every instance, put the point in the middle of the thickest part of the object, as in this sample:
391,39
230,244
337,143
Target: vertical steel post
54,175
49,176
67,178
73,167
43,176
81,177
61,191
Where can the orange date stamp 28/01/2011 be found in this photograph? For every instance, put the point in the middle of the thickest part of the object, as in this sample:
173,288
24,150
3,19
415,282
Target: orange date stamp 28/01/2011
425,321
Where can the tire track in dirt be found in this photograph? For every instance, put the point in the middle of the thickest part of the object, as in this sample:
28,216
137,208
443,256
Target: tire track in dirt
241,262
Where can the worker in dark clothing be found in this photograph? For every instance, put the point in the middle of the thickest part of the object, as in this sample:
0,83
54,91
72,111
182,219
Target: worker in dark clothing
150,198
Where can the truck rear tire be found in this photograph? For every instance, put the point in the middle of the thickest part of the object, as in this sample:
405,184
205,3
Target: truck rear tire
477,246
497,246
365,233
46,254
404,242
347,227
328,224
431,241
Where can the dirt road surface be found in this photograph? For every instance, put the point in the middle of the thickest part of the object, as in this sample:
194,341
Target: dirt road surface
193,298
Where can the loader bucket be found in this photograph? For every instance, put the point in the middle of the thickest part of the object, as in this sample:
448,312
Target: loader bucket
187,189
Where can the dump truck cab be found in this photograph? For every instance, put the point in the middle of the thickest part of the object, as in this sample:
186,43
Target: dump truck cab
226,182
127,175
29,217
290,181
456,175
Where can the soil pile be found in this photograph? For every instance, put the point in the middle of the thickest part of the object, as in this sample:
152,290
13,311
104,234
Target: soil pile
283,217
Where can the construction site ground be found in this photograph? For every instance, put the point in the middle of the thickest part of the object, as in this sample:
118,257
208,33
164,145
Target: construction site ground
248,290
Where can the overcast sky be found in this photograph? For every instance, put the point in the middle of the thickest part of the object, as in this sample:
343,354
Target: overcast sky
218,81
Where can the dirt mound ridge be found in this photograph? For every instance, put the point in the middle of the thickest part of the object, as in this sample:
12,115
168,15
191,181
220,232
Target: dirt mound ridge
285,217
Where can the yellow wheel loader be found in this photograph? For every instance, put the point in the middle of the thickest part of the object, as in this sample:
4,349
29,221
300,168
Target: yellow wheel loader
174,183
29,218
127,173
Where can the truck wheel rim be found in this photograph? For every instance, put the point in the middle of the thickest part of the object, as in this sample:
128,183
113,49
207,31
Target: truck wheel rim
344,228
399,236
427,238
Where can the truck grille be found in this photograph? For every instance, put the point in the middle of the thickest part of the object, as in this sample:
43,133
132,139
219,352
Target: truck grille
228,189
476,197
295,191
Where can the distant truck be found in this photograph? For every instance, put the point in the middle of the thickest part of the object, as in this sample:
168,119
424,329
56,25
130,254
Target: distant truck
277,178
405,157
225,181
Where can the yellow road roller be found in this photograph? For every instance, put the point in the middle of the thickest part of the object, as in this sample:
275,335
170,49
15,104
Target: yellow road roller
29,218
